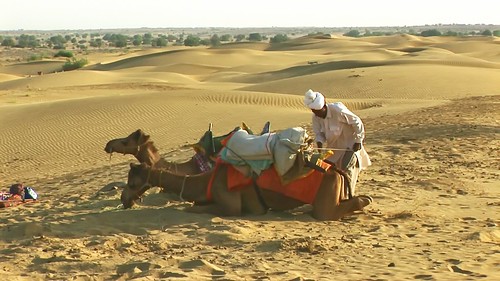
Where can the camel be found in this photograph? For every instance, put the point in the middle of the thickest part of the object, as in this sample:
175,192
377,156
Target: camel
329,202
140,145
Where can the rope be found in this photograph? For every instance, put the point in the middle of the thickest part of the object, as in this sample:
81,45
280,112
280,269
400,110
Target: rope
182,188
335,149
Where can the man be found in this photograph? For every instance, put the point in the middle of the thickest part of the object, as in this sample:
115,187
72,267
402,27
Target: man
336,127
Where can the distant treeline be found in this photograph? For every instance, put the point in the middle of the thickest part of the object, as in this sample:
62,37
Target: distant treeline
84,41
96,40
424,33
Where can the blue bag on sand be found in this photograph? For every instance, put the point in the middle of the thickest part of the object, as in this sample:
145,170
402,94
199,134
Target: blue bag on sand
30,193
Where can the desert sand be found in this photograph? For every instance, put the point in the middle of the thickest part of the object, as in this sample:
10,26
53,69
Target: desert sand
431,108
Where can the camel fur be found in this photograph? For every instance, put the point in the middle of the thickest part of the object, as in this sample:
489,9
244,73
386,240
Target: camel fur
328,203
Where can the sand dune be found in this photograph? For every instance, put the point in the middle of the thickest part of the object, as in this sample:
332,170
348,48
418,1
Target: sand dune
431,111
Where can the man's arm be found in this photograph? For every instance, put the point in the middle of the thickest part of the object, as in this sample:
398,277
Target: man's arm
318,135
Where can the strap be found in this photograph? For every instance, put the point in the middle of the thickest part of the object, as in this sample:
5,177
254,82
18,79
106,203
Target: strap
254,182
258,191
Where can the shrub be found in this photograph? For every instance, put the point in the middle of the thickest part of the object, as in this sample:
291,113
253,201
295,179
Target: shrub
226,37
192,40
278,38
73,64
8,42
254,37
240,37
64,53
430,32
35,57
352,33
215,40
487,32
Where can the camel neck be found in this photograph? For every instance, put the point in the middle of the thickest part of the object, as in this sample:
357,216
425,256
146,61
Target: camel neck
148,154
188,187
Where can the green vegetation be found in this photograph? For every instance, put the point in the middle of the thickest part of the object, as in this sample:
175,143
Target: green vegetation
74,63
8,42
159,42
35,57
215,40
226,38
82,41
254,37
64,53
27,41
353,33
430,32
487,32
240,37
278,38
192,40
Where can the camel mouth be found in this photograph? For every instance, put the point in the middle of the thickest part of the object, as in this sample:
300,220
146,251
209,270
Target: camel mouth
127,200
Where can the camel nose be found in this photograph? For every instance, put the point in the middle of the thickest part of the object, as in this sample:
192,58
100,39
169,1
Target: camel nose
108,148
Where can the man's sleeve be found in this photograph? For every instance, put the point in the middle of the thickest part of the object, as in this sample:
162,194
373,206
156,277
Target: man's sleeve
319,136
355,122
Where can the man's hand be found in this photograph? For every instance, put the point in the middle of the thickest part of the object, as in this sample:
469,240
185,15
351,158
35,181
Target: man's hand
356,146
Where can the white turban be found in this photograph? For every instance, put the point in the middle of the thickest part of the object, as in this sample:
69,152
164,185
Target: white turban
314,100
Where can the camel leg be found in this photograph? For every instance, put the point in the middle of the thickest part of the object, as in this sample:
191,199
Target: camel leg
224,202
250,202
327,204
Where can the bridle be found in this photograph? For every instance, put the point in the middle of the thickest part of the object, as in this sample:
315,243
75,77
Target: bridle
148,185
138,149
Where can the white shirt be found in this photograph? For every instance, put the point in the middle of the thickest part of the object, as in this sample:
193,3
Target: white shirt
341,129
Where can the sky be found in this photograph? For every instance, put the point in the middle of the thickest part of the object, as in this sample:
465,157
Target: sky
107,14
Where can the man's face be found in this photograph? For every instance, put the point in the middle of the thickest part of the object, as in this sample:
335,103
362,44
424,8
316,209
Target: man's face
320,112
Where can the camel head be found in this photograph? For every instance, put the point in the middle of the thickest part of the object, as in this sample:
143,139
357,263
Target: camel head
128,197
128,145
137,184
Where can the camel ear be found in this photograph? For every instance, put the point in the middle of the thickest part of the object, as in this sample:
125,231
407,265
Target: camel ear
137,134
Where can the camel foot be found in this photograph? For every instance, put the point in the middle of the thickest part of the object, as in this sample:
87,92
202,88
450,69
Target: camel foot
364,200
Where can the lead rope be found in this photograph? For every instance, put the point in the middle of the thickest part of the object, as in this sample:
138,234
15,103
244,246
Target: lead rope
182,188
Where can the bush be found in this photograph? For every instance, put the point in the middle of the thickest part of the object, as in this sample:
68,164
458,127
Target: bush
352,33
240,37
496,33
254,37
192,40
215,40
487,32
74,64
64,53
430,32
8,42
278,38
35,57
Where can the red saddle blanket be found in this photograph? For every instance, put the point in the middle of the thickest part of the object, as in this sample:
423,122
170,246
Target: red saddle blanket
303,189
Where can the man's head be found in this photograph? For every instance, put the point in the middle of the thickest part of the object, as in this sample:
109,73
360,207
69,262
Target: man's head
316,102
17,189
